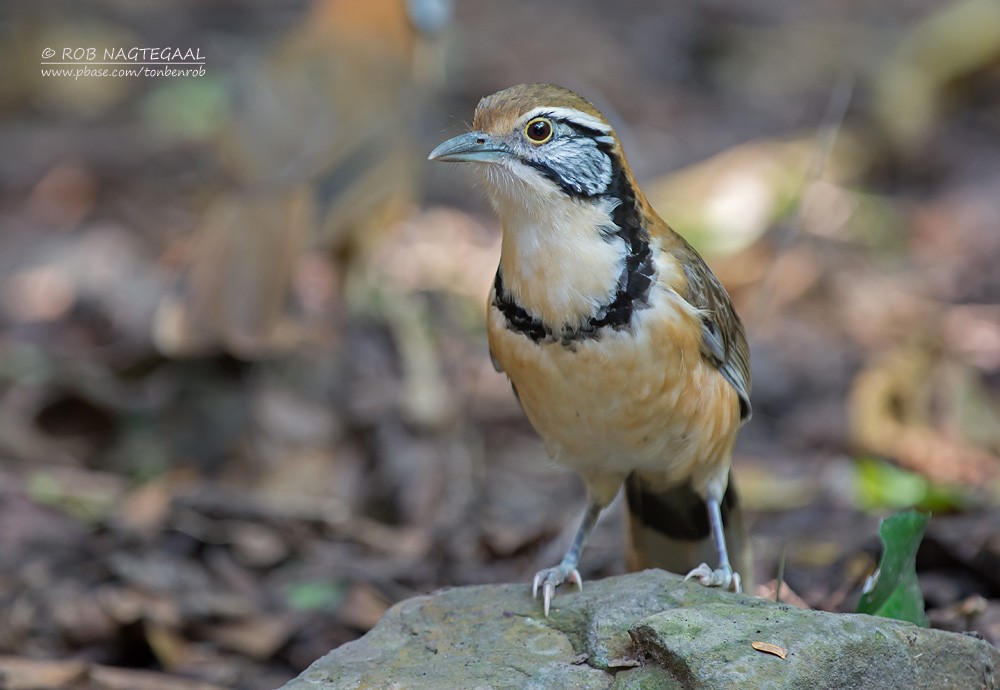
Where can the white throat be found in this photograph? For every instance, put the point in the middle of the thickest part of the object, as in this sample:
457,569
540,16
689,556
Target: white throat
559,258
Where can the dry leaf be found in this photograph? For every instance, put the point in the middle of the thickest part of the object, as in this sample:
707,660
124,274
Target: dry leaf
788,596
258,637
36,674
769,648
111,678
362,607
146,507
892,406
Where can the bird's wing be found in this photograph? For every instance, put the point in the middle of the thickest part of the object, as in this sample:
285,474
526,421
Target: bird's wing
723,341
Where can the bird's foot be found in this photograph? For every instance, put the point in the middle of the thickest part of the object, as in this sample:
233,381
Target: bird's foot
721,577
550,578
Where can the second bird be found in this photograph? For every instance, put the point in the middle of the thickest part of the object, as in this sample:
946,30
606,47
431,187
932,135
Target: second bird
621,344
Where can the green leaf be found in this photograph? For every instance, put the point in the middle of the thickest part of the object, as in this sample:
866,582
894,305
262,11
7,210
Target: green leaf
893,592
186,108
880,485
88,502
311,595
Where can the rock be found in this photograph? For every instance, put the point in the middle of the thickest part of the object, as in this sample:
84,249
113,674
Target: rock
638,631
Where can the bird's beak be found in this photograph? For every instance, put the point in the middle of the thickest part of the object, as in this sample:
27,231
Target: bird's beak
474,147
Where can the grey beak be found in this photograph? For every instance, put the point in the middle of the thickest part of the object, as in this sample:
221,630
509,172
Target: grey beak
474,147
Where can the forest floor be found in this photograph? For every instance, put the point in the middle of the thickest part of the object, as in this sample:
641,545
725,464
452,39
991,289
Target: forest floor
223,518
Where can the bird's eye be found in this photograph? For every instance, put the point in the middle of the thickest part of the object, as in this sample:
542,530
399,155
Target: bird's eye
538,130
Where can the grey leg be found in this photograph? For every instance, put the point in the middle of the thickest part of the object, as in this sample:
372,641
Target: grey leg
550,578
723,576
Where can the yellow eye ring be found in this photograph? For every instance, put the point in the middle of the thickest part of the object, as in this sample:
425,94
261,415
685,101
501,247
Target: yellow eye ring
538,130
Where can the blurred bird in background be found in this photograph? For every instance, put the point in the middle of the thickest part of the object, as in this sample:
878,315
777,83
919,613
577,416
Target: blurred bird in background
319,155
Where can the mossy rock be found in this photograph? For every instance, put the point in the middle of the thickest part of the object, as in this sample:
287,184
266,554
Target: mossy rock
638,631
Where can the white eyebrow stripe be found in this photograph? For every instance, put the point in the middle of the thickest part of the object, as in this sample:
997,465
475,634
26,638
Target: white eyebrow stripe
571,115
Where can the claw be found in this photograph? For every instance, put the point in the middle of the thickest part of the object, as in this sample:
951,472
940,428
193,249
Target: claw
722,577
549,579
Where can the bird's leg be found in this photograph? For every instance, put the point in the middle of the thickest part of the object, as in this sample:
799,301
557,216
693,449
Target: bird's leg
723,576
550,578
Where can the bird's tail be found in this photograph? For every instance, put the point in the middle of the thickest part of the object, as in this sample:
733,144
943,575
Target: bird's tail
669,529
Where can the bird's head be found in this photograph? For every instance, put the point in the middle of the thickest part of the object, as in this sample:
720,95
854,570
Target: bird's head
537,142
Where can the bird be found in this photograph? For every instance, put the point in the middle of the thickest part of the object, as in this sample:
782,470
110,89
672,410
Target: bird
318,156
621,345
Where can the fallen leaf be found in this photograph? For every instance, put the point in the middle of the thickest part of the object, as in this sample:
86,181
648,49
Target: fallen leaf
768,590
32,674
893,407
256,545
362,606
769,648
259,637
146,507
111,678
168,645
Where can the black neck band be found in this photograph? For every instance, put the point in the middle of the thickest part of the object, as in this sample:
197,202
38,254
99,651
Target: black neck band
633,285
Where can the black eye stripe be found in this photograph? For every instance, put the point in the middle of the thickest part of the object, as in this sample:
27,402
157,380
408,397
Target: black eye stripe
578,158
578,166
578,128
585,131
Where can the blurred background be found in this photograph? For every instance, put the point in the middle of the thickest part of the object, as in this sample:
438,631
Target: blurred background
245,397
